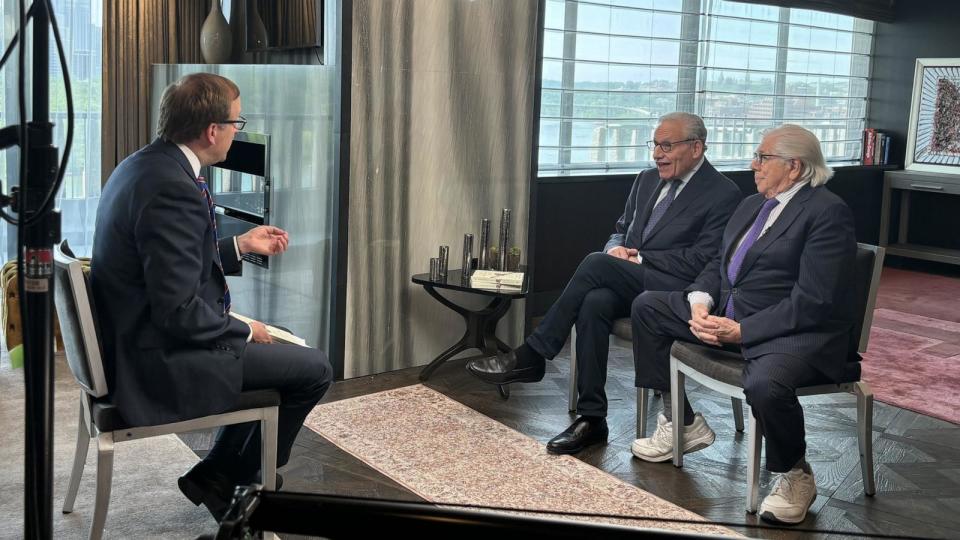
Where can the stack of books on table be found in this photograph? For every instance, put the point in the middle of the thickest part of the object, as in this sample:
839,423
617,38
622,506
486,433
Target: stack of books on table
494,279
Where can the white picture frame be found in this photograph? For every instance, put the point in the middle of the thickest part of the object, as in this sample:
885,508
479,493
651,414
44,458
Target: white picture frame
933,135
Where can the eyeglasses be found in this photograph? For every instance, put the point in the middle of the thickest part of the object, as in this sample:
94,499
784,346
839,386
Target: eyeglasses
667,146
239,124
761,158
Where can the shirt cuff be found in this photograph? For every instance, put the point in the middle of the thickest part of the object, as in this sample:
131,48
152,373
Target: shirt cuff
236,247
700,297
250,335
639,259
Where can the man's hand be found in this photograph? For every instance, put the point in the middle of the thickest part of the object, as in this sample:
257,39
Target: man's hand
264,240
621,252
700,324
715,330
260,334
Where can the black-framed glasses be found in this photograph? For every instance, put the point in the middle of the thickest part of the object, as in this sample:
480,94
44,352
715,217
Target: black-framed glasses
761,158
667,146
239,124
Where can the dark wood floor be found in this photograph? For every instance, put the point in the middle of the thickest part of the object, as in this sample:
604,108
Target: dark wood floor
917,457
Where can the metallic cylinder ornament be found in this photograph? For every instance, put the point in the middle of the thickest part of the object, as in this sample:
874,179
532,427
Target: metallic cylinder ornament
504,239
444,259
434,269
484,246
467,255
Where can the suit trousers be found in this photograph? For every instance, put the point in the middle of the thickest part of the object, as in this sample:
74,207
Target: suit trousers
302,375
599,292
770,381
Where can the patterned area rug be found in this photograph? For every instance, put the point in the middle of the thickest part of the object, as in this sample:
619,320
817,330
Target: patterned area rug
448,453
914,362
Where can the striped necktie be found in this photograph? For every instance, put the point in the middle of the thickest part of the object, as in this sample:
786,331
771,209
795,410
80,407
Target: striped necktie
738,256
205,191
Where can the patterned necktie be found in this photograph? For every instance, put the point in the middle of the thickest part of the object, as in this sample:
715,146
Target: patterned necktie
205,191
737,260
661,208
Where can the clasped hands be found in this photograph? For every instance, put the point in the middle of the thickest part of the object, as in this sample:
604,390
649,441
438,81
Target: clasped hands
625,253
711,329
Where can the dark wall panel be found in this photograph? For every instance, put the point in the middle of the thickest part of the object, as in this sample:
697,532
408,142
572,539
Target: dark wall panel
575,217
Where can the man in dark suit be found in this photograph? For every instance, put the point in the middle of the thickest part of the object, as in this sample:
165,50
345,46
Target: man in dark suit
780,291
669,230
171,349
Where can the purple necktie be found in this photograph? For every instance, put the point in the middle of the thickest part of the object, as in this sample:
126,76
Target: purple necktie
661,208
205,191
737,260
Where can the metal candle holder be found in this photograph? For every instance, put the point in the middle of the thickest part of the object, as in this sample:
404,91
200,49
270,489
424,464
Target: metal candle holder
467,255
504,239
483,263
444,259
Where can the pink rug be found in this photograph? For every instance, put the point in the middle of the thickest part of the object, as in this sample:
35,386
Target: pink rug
914,362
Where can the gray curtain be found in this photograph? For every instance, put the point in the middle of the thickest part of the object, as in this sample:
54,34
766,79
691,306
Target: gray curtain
137,34
441,137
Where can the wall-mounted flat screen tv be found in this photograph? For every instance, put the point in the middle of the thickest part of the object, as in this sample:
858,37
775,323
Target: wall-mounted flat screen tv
284,24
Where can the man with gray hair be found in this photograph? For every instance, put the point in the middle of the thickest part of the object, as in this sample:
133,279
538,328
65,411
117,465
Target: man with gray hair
779,292
669,230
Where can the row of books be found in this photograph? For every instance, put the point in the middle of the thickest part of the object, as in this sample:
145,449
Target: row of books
876,147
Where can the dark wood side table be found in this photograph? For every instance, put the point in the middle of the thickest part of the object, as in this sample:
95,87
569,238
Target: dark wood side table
481,324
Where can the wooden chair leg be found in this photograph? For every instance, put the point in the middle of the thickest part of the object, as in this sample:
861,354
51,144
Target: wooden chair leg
865,435
268,447
79,460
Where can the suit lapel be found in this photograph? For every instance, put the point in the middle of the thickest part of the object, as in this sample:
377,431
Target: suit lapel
651,199
737,227
794,208
696,186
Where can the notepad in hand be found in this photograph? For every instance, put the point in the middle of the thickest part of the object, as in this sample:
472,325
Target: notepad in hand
278,335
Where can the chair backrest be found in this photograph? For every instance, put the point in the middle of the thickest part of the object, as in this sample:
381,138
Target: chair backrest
77,323
869,264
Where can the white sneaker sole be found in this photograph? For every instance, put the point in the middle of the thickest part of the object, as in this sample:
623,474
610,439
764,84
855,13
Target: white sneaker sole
768,515
691,445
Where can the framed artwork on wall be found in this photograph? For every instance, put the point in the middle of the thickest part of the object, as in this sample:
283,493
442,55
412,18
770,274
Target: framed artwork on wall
933,136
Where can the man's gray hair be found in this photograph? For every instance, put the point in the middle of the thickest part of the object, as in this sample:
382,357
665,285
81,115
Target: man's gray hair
793,141
693,127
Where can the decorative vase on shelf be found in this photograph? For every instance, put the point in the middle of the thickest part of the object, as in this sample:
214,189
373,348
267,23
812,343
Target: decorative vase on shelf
257,32
216,44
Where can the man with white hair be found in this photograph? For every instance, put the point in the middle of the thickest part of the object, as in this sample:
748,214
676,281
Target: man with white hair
780,292
669,230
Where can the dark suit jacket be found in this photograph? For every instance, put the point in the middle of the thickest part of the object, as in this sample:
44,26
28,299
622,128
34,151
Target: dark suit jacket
169,351
794,292
687,237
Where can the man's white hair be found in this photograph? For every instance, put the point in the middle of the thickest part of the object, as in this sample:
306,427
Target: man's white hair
693,127
793,141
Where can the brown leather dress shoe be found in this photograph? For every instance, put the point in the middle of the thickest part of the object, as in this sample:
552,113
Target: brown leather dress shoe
582,433
502,369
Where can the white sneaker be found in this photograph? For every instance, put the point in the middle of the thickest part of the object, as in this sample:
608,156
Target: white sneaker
659,447
790,499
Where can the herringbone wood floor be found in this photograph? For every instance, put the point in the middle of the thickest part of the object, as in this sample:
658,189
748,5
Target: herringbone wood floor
917,457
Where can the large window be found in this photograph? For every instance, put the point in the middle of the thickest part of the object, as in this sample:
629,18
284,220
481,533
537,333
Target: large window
612,67
80,23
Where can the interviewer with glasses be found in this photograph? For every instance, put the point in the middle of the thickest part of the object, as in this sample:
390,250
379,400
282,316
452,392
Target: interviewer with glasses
171,349
670,229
